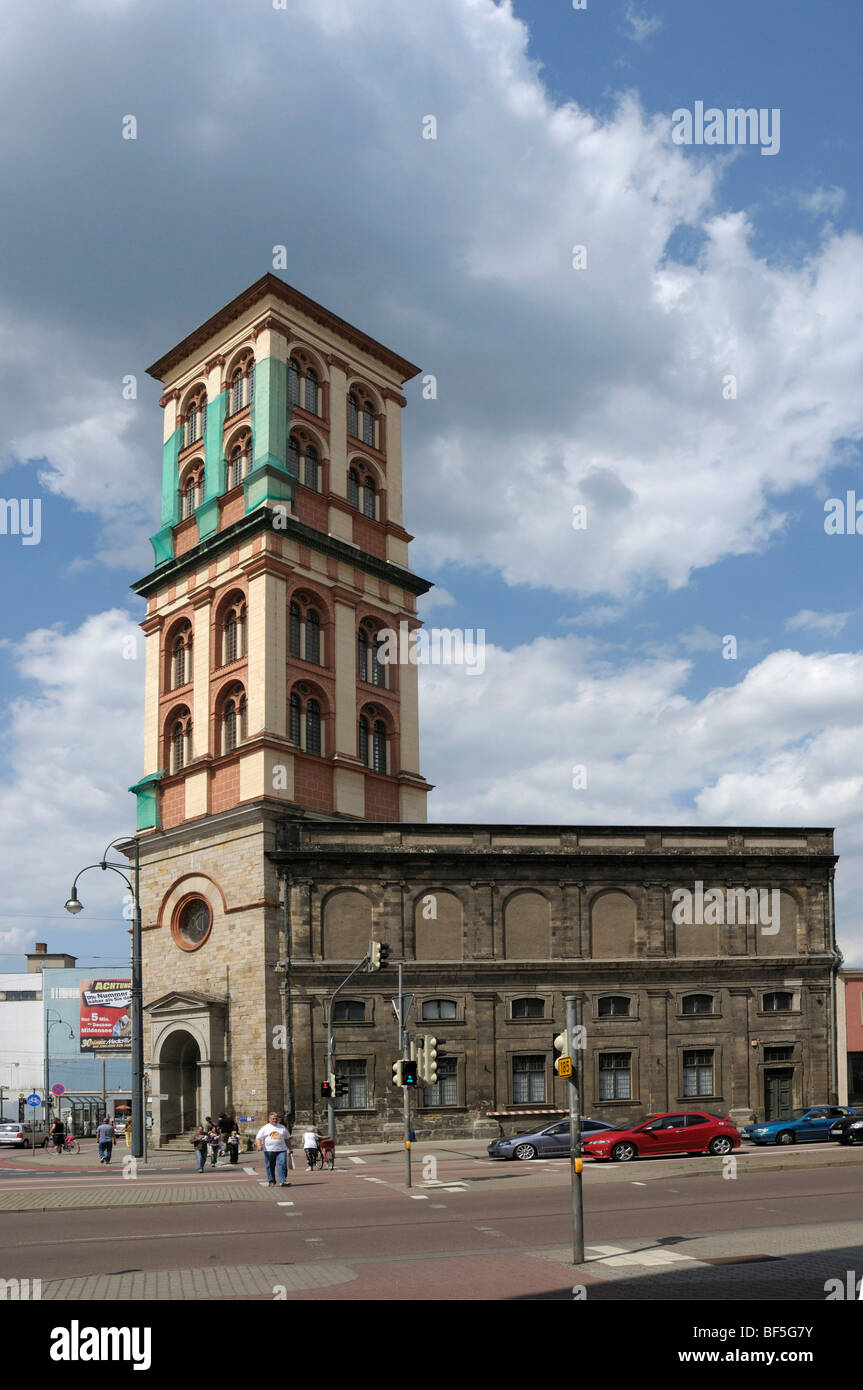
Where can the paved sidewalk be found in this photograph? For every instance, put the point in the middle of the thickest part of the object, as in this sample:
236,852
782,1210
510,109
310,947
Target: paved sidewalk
183,1285
132,1194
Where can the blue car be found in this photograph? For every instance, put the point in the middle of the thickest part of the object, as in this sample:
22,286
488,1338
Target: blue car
814,1123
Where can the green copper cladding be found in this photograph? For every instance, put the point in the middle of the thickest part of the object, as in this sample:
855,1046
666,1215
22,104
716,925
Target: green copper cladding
170,478
270,413
214,459
148,801
163,545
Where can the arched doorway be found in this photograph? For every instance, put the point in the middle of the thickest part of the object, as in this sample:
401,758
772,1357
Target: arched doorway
180,1080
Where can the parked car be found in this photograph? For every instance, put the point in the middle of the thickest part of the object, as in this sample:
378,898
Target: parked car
801,1126
21,1136
848,1130
552,1141
685,1132
119,1126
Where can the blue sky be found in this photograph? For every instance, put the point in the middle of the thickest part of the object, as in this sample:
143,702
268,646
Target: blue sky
555,387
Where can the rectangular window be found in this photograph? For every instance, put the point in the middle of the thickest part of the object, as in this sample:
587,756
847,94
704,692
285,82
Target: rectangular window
354,1073
779,1054
698,1073
528,1080
445,1090
615,1076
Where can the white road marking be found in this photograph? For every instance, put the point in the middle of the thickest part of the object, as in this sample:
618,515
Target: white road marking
435,1206
616,1258
313,1240
639,1184
353,1160
253,1171
284,1204
418,1197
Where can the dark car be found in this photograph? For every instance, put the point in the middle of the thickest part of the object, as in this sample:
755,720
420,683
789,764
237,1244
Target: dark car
800,1127
687,1132
848,1130
552,1141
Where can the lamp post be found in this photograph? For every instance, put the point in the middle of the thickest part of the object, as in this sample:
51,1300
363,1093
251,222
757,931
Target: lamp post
74,906
48,1026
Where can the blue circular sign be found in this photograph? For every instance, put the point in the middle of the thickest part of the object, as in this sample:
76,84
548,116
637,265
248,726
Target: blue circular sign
34,1099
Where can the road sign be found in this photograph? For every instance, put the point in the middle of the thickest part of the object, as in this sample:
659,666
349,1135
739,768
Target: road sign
34,1099
564,1066
58,1088
408,1000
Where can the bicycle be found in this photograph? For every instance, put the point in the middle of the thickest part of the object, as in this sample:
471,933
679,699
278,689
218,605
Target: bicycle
70,1145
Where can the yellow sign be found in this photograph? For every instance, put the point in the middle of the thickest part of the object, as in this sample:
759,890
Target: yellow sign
564,1066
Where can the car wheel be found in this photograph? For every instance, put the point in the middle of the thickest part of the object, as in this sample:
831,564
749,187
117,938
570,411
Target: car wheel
720,1145
786,1137
624,1153
524,1151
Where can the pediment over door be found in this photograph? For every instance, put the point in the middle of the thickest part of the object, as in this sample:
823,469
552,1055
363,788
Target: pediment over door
184,1004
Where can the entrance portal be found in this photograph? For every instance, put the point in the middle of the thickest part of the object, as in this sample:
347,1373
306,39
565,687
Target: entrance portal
180,1080
778,1093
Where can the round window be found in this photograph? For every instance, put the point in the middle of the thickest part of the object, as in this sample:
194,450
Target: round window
192,923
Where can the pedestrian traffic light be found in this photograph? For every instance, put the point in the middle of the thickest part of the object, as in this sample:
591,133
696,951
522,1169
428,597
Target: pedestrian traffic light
326,1090
398,1072
561,1049
410,1072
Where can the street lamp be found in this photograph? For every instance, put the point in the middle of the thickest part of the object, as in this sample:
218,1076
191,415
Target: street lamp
48,1026
74,907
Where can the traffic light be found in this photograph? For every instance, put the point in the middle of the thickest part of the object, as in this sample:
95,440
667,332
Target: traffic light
341,1086
410,1073
430,1056
398,1072
561,1049
379,955
326,1090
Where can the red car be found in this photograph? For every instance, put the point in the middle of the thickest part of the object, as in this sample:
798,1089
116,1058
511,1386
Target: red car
685,1132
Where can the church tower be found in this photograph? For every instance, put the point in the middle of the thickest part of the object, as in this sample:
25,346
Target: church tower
280,580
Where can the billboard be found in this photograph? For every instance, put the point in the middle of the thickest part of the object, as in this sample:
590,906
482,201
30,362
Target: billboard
106,1023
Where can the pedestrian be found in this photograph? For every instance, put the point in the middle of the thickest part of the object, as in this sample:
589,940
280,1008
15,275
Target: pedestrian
127,1132
234,1145
275,1141
310,1146
214,1139
105,1136
225,1126
200,1143
58,1135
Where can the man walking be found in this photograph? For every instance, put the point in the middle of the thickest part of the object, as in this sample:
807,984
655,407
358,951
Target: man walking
105,1136
275,1141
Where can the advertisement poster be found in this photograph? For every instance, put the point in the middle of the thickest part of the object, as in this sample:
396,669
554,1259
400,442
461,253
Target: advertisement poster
106,1023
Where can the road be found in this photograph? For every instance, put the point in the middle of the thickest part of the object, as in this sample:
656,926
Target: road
668,1228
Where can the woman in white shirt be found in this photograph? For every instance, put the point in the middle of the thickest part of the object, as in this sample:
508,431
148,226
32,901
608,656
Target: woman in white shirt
310,1145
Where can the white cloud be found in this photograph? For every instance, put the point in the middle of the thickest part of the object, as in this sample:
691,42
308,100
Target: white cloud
822,202
435,598
831,624
72,745
774,749
641,26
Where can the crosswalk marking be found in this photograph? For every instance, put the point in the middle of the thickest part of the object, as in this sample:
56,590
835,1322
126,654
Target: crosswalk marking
353,1159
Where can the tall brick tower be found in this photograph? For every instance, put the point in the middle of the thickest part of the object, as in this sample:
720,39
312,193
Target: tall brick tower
281,564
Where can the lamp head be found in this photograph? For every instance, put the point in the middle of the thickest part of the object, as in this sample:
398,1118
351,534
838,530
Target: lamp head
72,904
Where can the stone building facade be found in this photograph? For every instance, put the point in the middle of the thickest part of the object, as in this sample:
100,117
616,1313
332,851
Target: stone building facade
281,817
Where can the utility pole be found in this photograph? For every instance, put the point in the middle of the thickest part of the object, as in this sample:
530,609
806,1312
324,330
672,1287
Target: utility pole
331,1046
403,1045
575,1159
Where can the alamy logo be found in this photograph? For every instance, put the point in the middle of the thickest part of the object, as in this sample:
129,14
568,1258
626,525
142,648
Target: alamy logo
717,906
21,518
735,126
437,646
77,1343
21,1290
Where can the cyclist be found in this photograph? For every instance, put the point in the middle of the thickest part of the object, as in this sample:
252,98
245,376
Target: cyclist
310,1145
58,1135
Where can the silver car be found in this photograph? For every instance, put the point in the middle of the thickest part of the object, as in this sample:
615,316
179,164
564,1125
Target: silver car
21,1136
552,1141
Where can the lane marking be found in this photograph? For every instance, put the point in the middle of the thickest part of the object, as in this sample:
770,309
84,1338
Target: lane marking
639,1184
313,1240
438,1206
353,1160
253,1171
417,1197
284,1204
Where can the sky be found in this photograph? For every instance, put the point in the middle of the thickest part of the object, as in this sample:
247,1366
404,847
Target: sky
647,360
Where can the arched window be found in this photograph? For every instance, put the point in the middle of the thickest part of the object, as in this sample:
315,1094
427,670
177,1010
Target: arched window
698,1004
189,498
353,416
179,662
379,670
379,752
178,747
369,501
293,458
237,391
313,637
233,722
293,383
247,455
528,1008
613,1006
780,1001
250,377
311,391
362,656
310,467
353,488
295,631
368,425
364,741
232,472
294,731
232,650
313,727
196,418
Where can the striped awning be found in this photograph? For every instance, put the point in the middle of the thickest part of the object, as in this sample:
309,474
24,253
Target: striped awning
514,1114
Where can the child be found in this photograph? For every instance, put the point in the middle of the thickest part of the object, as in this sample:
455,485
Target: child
234,1145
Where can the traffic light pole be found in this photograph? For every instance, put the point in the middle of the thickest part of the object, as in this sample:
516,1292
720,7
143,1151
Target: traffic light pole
575,1159
331,1053
403,1044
